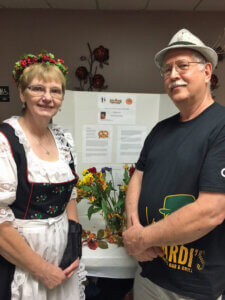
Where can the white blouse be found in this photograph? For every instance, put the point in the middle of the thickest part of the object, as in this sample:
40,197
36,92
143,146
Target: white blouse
38,169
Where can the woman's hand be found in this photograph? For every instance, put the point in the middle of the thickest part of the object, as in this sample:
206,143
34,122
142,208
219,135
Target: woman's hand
51,276
69,271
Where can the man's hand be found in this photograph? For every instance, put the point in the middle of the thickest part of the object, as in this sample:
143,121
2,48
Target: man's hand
133,237
149,254
69,271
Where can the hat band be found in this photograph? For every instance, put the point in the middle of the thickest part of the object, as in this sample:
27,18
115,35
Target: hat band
182,43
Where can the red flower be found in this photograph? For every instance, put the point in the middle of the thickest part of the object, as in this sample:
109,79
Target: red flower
23,63
28,61
92,170
98,81
101,54
46,57
92,245
51,60
61,61
131,171
81,73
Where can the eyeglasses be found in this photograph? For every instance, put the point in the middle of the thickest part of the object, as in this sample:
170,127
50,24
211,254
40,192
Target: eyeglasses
40,90
181,66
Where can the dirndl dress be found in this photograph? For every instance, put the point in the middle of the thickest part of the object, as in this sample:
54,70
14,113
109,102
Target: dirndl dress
37,211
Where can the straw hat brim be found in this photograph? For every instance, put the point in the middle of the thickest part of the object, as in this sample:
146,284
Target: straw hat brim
207,52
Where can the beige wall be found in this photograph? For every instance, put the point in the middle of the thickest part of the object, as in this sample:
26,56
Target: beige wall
132,38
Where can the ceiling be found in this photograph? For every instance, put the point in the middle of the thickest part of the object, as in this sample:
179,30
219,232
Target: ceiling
124,5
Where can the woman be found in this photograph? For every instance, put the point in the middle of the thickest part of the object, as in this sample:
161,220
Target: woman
36,182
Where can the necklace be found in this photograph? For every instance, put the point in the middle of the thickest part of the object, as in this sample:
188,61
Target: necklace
46,150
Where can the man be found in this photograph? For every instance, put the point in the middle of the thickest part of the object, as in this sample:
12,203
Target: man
176,198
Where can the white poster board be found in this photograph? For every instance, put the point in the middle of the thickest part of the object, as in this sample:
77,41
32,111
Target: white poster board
80,110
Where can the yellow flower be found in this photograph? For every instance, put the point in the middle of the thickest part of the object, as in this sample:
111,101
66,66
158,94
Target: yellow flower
88,178
117,215
84,172
79,182
104,185
123,188
92,199
126,166
100,177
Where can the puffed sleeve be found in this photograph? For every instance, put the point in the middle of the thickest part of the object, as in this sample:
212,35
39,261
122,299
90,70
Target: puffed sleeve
8,180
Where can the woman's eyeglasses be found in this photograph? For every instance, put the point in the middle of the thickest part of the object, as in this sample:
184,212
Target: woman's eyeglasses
40,90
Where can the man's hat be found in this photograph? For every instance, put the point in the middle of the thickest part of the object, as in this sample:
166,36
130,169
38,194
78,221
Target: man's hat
185,39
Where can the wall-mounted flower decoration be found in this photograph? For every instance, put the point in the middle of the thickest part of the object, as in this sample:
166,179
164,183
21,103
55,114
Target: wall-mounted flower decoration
90,79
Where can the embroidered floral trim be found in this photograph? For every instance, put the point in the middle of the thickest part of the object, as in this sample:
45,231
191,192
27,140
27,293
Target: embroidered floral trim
41,198
6,215
59,190
81,273
64,142
52,209
19,279
36,216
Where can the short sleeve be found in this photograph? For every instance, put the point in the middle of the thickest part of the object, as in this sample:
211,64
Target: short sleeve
8,180
212,177
140,165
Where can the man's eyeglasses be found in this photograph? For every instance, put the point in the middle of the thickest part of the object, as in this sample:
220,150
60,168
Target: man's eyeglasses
181,66
40,90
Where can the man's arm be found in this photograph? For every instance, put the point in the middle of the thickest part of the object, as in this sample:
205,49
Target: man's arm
132,195
187,224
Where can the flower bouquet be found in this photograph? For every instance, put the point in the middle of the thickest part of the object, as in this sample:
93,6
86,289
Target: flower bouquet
99,188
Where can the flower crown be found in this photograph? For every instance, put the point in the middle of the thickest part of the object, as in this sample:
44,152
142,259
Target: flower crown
43,57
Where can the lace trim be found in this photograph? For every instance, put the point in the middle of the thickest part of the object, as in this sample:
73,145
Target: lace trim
6,215
18,281
64,142
81,273
8,187
13,121
4,148
58,171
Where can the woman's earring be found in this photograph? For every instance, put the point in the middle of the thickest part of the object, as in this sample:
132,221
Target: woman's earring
23,105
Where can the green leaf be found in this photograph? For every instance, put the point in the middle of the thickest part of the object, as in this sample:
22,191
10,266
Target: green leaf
120,242
119,203
104,207
92,210
86,188
103,245
96,209
100,234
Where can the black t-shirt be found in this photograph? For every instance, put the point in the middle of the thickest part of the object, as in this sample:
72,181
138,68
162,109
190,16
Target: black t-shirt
178,160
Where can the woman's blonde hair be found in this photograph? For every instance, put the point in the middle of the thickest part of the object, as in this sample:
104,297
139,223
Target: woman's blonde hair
42,71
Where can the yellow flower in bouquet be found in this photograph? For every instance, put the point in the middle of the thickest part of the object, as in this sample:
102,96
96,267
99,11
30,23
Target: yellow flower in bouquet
99,189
